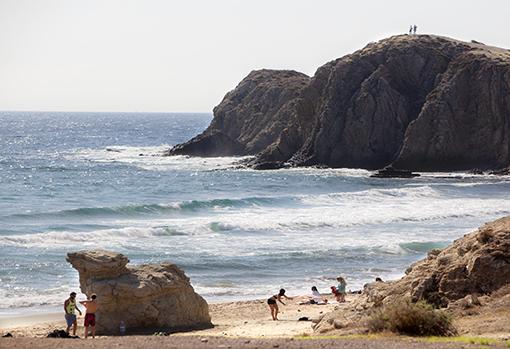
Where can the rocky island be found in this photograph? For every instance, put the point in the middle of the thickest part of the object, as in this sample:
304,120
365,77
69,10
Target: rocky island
413,102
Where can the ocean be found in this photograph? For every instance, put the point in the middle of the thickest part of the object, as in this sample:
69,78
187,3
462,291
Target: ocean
75,181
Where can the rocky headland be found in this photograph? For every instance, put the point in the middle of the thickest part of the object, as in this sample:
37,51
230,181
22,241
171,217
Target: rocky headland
415,102
148,296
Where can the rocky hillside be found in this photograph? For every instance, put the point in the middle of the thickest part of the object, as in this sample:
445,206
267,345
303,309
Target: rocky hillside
470,278
478,263
416,102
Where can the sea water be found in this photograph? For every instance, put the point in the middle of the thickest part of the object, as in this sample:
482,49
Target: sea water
77,181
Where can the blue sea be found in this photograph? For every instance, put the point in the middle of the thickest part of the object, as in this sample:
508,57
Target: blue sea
75,181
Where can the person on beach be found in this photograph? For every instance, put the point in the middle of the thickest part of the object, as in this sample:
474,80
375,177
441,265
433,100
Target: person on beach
339,290
69,308
317,297
273,306
90,315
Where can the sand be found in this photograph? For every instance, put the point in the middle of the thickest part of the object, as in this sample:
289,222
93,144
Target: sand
246,318
246,324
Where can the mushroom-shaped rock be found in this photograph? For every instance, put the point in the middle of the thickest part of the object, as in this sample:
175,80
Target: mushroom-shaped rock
147,296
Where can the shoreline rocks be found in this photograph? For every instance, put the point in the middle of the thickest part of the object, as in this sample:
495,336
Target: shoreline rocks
474,271
390,172
147,296
476,264
418,103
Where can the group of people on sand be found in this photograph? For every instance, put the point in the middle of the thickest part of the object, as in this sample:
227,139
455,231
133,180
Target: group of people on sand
316,298
91,307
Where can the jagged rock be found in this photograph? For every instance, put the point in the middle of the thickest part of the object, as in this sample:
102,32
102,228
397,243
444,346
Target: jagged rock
471,273
145,296
251,117
476,264
419,102
390,172
501,172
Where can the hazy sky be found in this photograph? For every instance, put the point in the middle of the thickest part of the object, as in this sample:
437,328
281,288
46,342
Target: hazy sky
155,55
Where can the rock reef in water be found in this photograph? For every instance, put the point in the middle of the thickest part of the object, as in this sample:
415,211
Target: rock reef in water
416,102
144,297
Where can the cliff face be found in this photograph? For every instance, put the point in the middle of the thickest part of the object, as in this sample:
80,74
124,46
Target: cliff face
251,117
416,102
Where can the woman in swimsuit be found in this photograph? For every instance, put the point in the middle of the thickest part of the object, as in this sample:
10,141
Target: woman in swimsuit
273,306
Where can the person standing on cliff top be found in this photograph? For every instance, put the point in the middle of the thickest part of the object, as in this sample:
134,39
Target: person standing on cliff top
411,29
69,307
90,315
414,29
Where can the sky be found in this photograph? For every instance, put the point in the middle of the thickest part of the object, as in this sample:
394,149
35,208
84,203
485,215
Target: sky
183,56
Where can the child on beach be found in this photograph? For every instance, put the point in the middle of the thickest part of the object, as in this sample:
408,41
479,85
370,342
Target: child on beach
90,315
273,306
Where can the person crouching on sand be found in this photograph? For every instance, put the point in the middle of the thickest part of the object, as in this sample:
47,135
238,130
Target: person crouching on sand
69,307
339,291
90,315
273,306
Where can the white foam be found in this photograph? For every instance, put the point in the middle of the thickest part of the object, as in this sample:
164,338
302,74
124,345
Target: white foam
151,158
16,298
330,215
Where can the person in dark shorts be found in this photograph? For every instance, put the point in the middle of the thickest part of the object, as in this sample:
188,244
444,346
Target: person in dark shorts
273,306
69,308
90,315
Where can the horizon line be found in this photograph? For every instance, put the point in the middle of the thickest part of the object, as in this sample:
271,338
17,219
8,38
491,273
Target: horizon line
99,111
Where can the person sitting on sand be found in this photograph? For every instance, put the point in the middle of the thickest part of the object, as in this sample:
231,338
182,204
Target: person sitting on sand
69,307
317,297
90,315
273,306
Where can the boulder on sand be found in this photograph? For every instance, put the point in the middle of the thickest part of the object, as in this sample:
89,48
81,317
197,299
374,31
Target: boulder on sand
148,296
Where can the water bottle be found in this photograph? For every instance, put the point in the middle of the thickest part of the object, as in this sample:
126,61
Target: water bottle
122,328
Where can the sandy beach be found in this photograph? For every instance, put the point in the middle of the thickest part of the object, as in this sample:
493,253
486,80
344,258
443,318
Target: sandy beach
231,319
244,323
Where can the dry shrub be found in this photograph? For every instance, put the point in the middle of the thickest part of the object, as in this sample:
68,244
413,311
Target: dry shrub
415,319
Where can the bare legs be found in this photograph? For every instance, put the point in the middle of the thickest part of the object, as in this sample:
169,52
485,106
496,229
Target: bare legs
274,311
340,297
93,330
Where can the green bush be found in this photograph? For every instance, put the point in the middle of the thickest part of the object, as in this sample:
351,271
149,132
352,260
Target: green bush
415,319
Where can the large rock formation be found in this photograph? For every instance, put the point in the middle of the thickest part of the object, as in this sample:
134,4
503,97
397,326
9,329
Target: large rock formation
145,296
474,267
251,117
418,102
478,263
